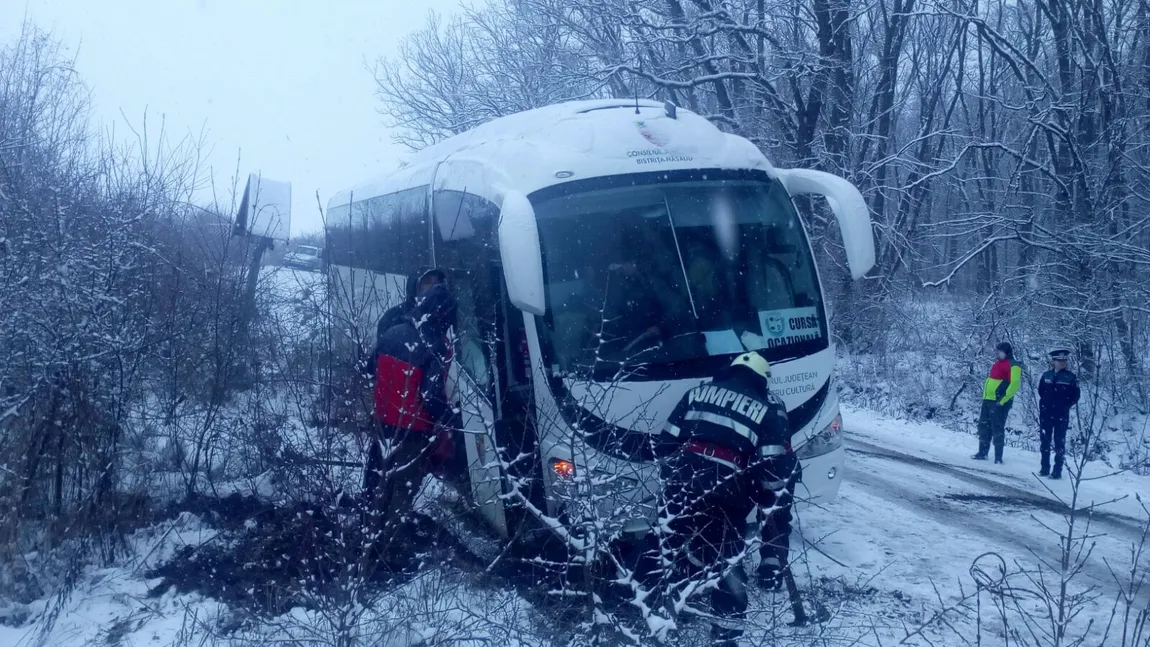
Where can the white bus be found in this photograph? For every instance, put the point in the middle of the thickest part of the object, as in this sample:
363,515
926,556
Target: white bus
607,256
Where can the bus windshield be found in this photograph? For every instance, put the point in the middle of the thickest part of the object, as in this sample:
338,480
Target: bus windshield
675,272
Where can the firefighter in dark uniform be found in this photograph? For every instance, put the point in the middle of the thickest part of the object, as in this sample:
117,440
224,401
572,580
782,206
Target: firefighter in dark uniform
410,399
725,449
1058,392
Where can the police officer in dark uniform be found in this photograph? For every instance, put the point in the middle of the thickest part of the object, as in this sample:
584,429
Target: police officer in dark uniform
1058,392
726,449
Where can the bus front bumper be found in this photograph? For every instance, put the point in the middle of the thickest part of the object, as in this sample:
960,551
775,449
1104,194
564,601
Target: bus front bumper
822,477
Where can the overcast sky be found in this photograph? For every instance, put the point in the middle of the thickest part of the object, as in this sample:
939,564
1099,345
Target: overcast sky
282,85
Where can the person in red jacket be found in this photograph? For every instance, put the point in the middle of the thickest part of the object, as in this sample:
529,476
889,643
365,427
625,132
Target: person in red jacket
397,314
997,398
410,400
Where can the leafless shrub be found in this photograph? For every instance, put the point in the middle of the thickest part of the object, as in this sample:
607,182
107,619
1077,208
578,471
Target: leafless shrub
119,301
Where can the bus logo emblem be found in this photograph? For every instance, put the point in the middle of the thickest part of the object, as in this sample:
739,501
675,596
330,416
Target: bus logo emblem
775,325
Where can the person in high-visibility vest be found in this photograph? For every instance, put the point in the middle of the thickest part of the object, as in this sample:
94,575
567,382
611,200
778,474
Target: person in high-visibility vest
997,398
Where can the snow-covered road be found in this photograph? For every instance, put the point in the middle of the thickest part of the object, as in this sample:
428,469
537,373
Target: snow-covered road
915,512
992,506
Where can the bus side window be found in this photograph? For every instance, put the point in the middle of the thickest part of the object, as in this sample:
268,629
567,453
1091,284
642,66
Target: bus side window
453,215
376,243
412,242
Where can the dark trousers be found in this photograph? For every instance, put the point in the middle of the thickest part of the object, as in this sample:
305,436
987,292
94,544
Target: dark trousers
1053,428
391,482
775,551
992,427
707,515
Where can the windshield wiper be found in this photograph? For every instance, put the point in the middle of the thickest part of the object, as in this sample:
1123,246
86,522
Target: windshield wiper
786,358
682,263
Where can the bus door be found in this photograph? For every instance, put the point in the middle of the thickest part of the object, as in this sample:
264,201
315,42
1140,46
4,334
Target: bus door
516,429
474,387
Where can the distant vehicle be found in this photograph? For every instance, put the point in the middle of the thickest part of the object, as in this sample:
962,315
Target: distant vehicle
538,218
305,257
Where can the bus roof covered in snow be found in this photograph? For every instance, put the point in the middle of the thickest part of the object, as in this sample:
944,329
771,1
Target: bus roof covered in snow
570,141
578,140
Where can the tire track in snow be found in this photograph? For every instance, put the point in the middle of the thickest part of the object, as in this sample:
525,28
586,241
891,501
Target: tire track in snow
1129,527
1000,530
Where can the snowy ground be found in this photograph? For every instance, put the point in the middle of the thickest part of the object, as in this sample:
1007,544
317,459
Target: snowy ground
894,550
891,558
293,298
128,604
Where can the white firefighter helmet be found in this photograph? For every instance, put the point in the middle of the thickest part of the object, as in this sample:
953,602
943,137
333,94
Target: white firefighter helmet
755,362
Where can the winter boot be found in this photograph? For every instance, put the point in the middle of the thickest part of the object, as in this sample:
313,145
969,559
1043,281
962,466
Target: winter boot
979,456
998,461
769,575
1054,476
1045,464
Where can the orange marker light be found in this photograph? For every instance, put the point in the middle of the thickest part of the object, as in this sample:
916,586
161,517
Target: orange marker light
565,469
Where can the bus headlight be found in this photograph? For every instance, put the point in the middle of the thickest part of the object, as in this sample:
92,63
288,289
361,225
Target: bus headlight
596,477
824,442
563,469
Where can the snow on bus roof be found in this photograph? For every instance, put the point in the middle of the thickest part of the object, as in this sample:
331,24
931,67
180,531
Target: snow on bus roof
576,140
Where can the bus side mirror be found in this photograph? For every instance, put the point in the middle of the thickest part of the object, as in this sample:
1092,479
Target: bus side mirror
849,208
521,253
